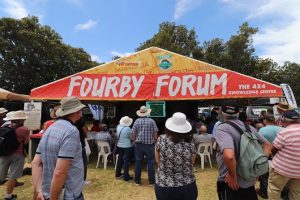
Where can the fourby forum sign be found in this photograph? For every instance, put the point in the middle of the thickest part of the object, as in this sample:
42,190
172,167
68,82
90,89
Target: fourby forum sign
157,75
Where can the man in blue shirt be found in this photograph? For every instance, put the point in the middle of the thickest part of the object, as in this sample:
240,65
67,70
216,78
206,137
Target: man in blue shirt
58,160
145,134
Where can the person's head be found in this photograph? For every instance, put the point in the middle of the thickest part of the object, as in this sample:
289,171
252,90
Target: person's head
126,121
3,112
263,113
268,119
230,112
178,128
104,127
290,117
258,126
143,111
17,117
53,112
70,108
203,129
283,107
96,123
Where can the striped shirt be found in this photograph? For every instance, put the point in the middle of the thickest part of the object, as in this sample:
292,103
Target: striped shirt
144,129
287,160
61,140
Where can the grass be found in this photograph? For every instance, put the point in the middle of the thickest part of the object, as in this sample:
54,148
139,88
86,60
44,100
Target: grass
105,186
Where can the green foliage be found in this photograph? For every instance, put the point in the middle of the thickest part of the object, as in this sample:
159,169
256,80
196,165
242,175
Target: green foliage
175,38
32,55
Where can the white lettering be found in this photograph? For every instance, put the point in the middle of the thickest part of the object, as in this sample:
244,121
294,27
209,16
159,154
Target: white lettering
173,91
137,84
161,83
125,86
215,81
73,83
86,86
187,83
96,91
111,84
203,89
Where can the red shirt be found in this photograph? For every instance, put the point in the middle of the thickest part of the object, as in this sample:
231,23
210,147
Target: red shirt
22,134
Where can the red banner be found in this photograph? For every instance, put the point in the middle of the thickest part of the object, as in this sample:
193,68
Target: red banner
172,86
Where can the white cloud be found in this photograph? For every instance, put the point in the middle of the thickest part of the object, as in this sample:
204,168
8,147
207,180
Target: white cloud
115,53
183,6
15,8
86,26
278,38
96,58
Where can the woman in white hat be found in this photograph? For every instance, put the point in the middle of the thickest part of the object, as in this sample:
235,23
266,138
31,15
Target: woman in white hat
174,154
123,147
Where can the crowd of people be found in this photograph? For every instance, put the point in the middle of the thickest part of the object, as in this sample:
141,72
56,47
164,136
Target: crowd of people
59,167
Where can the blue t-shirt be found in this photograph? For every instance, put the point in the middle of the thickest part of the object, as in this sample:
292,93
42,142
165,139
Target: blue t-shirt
270,132
124,141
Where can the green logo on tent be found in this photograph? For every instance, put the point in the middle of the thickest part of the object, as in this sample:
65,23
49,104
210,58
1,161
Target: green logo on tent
165,64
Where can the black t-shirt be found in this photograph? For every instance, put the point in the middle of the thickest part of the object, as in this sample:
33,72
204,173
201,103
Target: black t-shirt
80,124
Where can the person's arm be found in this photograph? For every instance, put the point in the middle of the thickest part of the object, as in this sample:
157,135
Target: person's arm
37,171
85,130
230,162
155,136
59,177
267,148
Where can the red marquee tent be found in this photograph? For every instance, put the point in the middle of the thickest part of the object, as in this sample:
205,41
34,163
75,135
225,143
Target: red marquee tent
156,74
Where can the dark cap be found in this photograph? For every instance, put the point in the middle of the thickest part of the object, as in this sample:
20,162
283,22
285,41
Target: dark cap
230,110
291,114
269,117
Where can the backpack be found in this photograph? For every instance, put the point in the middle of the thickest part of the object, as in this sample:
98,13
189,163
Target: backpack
8,141
251,160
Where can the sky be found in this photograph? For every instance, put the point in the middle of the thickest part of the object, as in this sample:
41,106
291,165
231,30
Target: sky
107,28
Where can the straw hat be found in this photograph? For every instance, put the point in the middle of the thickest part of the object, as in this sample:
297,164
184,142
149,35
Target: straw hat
143,111
3,110
53,112
69,105
126,121
178,123
284,106
16,115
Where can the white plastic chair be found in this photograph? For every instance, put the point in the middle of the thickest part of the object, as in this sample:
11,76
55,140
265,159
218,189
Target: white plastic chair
204,149
103,151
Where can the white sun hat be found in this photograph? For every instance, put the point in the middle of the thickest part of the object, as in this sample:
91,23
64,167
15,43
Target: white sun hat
126,121
178,123
143,111
3,110
16,115
69,105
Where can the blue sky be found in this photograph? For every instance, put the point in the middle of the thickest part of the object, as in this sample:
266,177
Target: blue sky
105,28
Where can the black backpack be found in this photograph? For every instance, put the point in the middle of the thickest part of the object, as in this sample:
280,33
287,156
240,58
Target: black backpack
8,141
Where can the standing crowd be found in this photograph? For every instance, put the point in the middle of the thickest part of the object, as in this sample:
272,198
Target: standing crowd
60,165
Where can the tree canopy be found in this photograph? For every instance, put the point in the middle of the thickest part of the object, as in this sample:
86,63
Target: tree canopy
32,54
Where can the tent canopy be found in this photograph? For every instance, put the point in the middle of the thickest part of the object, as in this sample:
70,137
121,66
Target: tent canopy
156,74
10,96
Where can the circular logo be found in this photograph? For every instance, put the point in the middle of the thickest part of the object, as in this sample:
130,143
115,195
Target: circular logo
165,64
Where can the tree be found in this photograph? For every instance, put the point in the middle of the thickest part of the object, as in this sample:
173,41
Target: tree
214,52
175,38
239,53
32,55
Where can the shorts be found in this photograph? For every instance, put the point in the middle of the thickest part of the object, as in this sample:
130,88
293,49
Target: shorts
14,163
